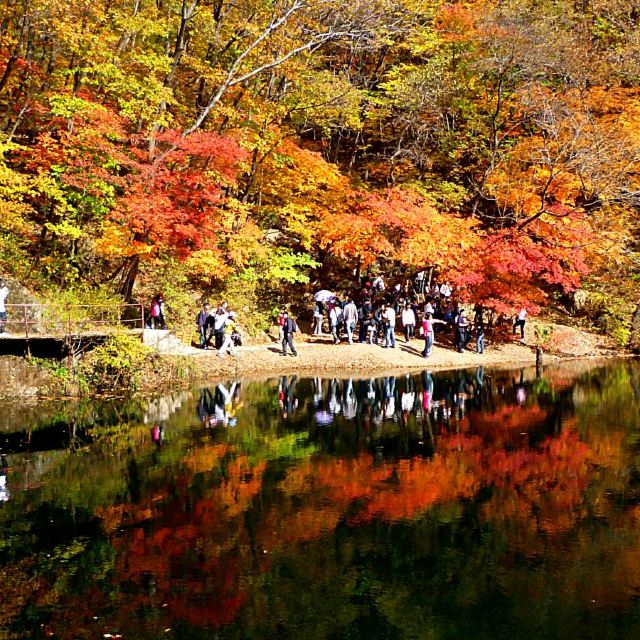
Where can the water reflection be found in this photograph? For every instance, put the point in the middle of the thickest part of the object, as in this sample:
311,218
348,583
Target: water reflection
468,504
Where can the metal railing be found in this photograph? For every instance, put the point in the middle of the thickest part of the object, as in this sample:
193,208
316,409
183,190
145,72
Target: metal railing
67,320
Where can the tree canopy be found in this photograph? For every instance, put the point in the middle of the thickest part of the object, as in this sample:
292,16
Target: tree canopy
285,140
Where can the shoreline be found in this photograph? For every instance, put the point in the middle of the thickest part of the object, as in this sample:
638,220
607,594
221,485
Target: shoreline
182,367
363,360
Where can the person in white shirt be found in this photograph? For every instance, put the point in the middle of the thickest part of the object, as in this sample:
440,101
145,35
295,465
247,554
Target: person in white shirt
378,284
408,322
420,281
445,290
4,292
219,320
350,316
389,319
519,321
335,317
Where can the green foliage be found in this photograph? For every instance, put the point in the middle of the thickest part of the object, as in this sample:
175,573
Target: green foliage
116,365
610,314
289,267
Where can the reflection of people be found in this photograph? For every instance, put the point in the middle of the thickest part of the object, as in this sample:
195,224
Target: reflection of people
204,406
427,391
286,395
157,435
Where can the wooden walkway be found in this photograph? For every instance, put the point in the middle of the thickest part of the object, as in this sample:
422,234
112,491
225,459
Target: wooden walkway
55,327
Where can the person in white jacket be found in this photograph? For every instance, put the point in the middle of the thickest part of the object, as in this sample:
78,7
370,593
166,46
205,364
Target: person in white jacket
4,293
408,322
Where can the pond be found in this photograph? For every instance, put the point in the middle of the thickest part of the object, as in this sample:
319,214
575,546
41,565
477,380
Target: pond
467,504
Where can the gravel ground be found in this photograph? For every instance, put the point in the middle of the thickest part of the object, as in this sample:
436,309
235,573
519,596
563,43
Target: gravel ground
320,355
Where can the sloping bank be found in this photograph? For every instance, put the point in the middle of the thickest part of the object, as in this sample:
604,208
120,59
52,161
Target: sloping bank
125,367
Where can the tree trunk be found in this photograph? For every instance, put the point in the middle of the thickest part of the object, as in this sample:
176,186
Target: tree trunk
634,339
128,279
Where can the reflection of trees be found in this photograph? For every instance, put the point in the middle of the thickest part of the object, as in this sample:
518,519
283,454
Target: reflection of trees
502,504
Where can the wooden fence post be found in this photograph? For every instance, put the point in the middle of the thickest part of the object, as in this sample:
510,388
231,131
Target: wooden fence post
26,330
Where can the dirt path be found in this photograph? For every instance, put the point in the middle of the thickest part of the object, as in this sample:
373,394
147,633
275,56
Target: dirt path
326,357
320,356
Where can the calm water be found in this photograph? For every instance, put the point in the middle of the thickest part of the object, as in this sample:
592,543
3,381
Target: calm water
473,504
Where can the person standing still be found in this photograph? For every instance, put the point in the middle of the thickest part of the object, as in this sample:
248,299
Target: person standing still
4,293
479,325
363,316
219,321
462,324
288,329
281,317
202,320
408,322
389,316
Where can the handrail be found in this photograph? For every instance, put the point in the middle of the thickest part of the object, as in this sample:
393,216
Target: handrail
67,320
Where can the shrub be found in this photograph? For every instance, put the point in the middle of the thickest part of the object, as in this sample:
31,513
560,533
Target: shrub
116,364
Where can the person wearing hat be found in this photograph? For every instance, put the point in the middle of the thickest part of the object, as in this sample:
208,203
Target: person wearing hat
4,292
230,327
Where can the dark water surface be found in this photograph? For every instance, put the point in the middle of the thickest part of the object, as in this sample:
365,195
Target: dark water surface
474,504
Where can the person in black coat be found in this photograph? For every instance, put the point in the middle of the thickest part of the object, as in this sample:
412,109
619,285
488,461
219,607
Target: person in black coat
288,328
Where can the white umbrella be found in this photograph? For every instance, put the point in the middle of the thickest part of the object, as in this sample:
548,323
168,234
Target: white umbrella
324,296
323,418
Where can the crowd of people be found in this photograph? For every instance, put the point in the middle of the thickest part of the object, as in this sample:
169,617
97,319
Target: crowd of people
416,307
375,320
218,329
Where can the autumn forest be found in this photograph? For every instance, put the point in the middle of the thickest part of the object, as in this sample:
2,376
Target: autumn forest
248,147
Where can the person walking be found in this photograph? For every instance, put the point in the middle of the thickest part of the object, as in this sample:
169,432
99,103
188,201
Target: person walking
230,328
335,316
389,318
408,322
4,294
202,322
289,327
519,321
350,315
219,320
